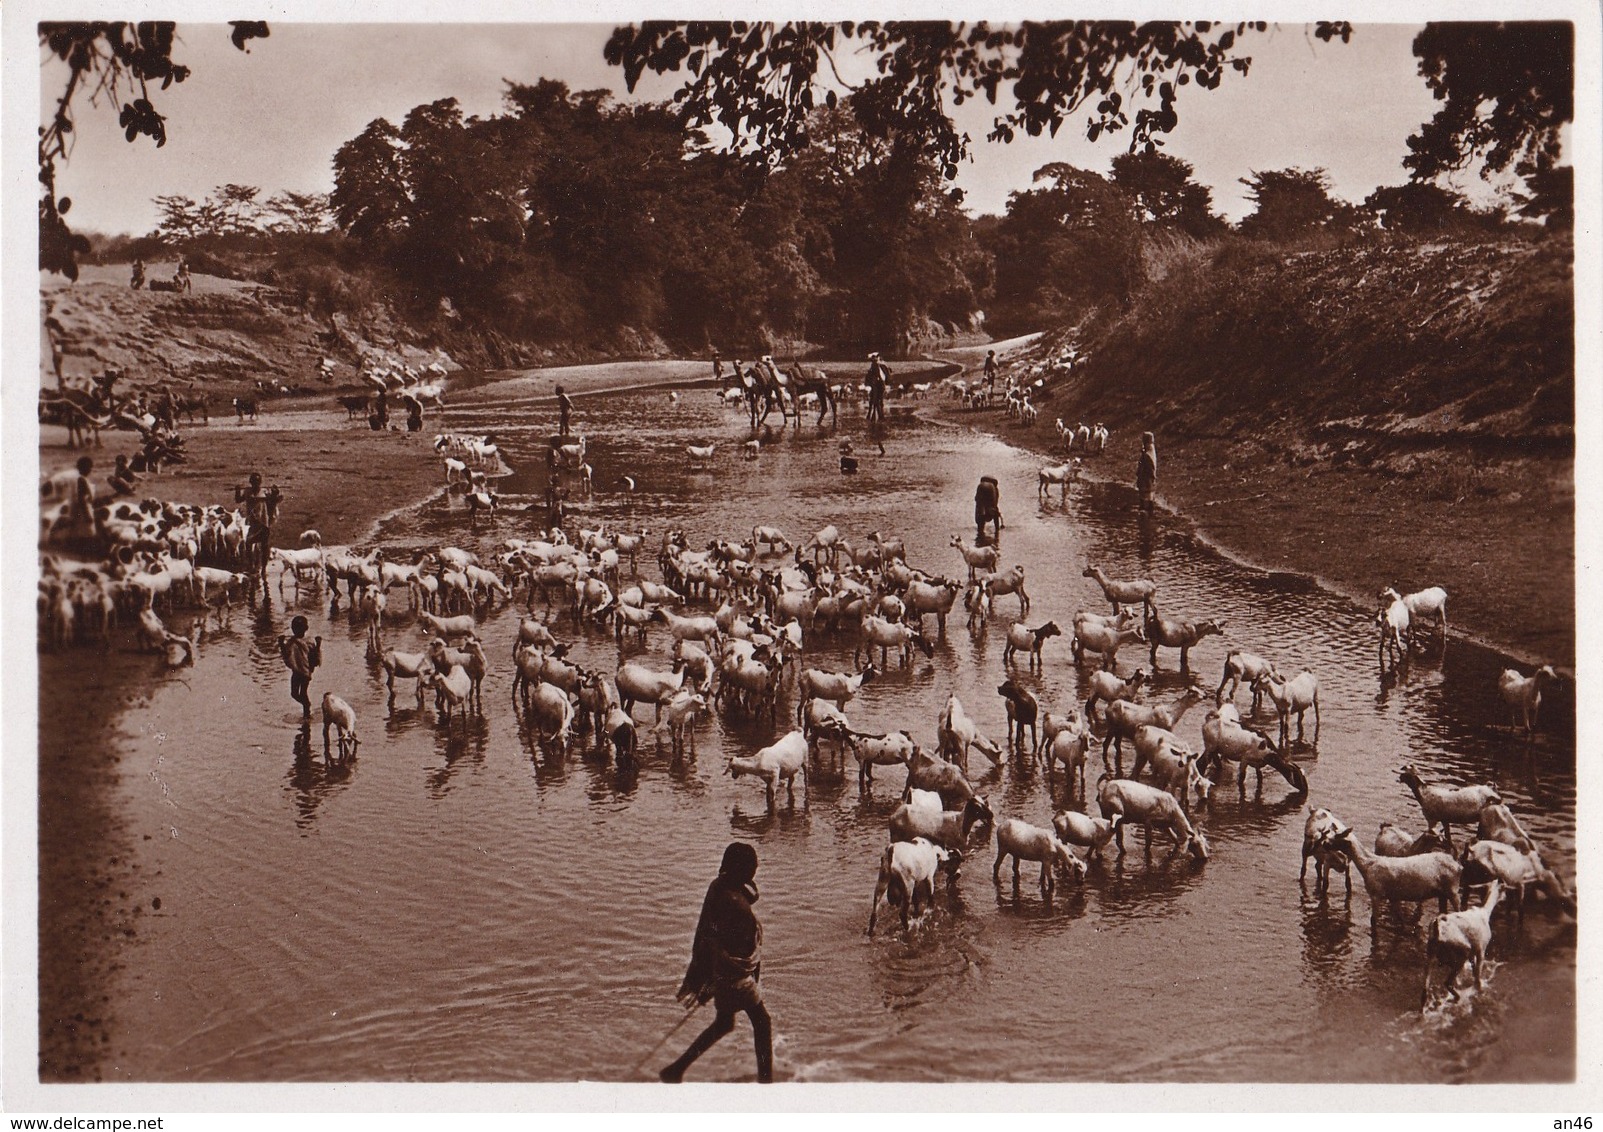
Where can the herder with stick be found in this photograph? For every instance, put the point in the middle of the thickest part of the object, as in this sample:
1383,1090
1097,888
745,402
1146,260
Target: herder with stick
726,963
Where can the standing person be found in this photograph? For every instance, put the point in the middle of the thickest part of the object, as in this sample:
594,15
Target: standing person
987,508
302,658
138,279
261,508
877,374
726,964
1146,472
717,368
83,522
564,411
990,370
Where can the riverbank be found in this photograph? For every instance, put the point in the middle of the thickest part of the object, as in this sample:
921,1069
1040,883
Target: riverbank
1497,533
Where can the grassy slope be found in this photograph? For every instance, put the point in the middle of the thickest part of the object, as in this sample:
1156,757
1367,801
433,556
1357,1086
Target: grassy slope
1381,413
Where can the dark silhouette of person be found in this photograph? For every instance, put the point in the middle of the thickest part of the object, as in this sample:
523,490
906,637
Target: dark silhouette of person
987,508
726,964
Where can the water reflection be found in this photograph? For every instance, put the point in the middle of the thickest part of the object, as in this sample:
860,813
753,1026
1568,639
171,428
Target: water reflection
313,778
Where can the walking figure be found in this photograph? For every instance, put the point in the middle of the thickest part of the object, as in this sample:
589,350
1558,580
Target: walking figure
987,509
302,658
726,964
990,371
564,411
877,375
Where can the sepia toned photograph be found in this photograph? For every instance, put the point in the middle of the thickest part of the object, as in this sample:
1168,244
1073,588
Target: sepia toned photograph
890,552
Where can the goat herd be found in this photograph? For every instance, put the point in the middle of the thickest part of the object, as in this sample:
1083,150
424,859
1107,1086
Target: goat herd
768,598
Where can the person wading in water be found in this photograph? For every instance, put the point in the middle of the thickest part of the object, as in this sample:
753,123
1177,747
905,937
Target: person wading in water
987,509
726,964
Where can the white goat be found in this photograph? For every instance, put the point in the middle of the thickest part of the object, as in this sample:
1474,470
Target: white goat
1025,842
779,761
342,717
1523,694
907,872
1457,938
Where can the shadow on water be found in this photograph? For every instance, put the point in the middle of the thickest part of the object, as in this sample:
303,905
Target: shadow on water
314,778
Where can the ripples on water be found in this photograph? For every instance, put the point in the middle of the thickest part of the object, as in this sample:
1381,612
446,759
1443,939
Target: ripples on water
457,904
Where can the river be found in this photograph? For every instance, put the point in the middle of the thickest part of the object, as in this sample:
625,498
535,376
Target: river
457,905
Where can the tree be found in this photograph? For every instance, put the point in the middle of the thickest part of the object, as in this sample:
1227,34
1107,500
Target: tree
1418,206
300,213
1164,193
1507,89
1291,202
236,208
180,219
370,200
120,60
760,81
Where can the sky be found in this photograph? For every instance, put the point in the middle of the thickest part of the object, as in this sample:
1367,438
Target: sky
273,118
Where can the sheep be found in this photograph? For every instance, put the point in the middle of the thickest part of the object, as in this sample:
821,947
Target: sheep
1099,440
1089,833
1393,622
341,716
1445,804
1520,872
408,665
1021,637
1123,593
1023,841
1294,696
779,761
837,687
1316,833
1456,938
872,750
1523,694
700,453
888,635
1061,474
907,871
1393,842
637,682
1246,666
1011,581
1107,686
1022,711
977,557
1148,806
1431,602
1180,635
1103,641
947,829
1395,879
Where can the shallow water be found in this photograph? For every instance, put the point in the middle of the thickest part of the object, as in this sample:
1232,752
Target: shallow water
456,904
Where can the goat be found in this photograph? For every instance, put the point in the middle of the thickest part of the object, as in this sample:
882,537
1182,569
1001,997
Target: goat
1062,474
452,690
636,682
837,687
1431,603
888,635
945,828
937,598
956,733
1022,711
1393,842
771,537
1498,823
1457,938
342,717
1006,582
550,705
879,750
1148,806
1523,694
1023,841
1020,636
1123,718
1246,666
1293,697
1224,737
1316,834
1174,765
1393,622
1445,804
1180,635
1107,686
1395,879
977,557
1520,872
683,711
929,772
690,628
408,665
1123,593
779,761
1103,641
823,542
907,872
1091,834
